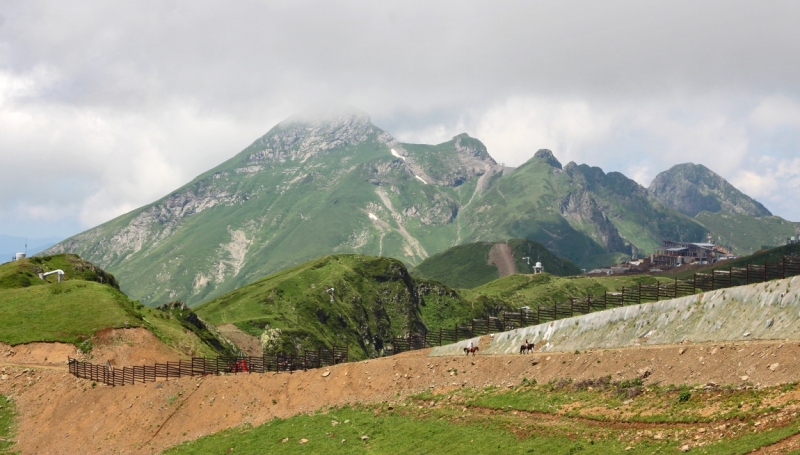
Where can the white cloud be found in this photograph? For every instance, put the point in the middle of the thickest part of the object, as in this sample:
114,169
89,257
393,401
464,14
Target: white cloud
105,106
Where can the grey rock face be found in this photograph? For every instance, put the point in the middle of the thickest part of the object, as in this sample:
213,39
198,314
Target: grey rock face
693,188
307,135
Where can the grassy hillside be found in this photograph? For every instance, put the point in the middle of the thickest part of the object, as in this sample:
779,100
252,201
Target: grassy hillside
531,290
466,266
745,234
374,299
86,301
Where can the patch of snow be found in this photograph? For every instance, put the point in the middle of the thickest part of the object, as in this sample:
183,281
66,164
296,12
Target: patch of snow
420,179
372,216
394,152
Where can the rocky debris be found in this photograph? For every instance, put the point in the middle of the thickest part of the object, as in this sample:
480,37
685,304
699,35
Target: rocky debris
774,366
303,441
326,374
643,373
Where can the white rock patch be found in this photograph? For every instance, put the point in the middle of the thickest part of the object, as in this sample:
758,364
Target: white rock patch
372,216
420,179
394,152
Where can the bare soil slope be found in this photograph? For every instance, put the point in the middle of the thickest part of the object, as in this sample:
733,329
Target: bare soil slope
500,256
147,418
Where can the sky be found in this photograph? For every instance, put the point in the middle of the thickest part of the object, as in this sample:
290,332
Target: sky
108,106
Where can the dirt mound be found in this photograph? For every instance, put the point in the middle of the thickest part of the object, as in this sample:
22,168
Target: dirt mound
37,353
249,344
125,347
147,418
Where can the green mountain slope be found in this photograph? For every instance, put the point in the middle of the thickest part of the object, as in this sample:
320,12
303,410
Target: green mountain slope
308,187
373,299
746,234
577,212
87,300
333,183
693,188
468,266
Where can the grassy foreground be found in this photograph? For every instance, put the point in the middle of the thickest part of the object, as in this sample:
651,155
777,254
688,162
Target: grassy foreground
562,417
6,425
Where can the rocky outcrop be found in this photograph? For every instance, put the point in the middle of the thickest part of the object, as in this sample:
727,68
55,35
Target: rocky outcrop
311,134
692,188
580,209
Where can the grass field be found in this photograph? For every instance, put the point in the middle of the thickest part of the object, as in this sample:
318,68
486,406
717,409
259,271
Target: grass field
562,417
7,426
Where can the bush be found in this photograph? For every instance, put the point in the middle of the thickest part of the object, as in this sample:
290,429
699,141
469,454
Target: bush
684,396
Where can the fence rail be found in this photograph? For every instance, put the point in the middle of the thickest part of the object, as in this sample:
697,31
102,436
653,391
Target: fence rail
198,366
202,366
634,295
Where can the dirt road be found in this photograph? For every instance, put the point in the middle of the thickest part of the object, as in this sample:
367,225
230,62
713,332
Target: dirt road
147,418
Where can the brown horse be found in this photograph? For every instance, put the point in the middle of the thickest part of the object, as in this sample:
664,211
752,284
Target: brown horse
526,347
471,350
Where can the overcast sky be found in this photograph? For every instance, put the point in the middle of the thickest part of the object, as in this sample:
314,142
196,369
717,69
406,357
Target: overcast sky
107,106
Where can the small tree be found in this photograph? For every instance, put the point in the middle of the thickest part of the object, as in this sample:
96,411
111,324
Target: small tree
271,341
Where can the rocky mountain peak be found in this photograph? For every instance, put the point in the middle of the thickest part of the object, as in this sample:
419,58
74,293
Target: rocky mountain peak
692,188
311,133
547,156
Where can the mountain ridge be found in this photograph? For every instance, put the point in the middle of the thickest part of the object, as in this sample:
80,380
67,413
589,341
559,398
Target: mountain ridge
332,183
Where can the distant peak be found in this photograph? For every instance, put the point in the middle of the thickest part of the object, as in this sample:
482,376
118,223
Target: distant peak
329,114
461,136
547,156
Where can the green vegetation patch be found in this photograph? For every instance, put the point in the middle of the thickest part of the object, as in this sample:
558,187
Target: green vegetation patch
7,425
466,266
516,291
25,272
562,417
395,432
69,312
350,299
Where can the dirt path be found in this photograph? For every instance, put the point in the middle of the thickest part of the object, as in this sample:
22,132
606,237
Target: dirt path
501,257
80,418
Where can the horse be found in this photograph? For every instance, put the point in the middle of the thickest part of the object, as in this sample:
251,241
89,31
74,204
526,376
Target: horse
526,347
472,350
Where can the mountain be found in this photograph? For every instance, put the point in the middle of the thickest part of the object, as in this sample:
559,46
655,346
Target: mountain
474,264
575,211
693,188
331,182
732,218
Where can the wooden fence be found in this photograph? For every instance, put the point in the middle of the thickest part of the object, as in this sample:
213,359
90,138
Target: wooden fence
201,366
700,282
